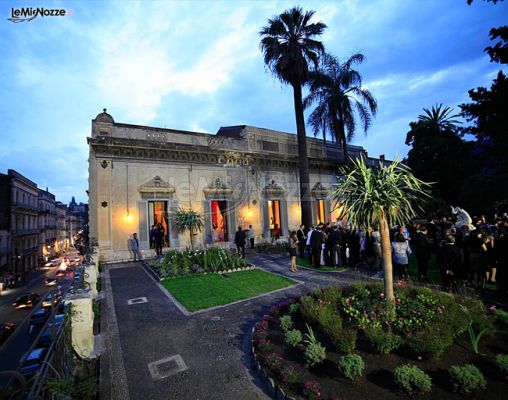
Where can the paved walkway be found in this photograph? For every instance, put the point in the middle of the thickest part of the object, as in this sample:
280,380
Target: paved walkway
207,354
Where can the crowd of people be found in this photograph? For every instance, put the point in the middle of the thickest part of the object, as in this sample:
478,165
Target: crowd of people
469,255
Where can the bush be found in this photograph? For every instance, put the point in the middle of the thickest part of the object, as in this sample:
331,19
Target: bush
351,366
466,378
331,294
289,375
502,363
412,379
294,308
328,320
344,341
309,309
311,390
432,341
286,323
293,337
315,353
382,341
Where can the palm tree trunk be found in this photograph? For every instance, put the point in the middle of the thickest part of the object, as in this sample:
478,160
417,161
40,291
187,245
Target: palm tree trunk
303,161
384,232
342,135
191,238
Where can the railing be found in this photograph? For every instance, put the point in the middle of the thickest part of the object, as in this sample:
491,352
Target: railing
22,232
30,250
18,204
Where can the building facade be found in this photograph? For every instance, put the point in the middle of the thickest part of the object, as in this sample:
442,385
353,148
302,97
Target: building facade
62,236
241,176
47,225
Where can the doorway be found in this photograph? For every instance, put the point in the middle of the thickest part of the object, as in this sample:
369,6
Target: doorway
320,208
219,221
158,214
275,217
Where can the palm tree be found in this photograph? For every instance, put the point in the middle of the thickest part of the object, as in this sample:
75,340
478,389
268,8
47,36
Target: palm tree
188,219
388,194
289,46
439,118
341,99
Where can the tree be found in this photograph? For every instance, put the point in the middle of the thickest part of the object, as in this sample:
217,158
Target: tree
388,194
188,219
289,46
341,100
438,152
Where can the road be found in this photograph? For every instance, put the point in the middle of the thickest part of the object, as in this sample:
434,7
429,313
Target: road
20,341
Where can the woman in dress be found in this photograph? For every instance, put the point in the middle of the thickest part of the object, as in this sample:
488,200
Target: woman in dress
293,245
401,252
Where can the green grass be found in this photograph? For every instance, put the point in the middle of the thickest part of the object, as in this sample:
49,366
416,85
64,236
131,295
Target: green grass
304,262
198,292
433,273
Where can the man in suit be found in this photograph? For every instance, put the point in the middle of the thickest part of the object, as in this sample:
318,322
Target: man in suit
422,246
334,244
302,238
316,244
240,239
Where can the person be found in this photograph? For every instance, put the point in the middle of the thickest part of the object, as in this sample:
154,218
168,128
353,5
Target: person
376,247
307,243
240,239
251,236
302,238
422,246
134,244
477,257
316,244
400,252
334,243
276,232
293,244
158,239
152,236
450,259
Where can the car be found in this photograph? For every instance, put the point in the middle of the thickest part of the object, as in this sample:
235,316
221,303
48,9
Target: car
50,281
6,328
27,300
52,263
46,337
32,362
37,320
51,299
60,273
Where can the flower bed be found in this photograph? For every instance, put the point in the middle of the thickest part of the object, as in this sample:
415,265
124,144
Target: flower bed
352,344
278,247
176,263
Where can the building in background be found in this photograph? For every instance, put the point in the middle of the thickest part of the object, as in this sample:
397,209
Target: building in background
241,176
62,237
47,225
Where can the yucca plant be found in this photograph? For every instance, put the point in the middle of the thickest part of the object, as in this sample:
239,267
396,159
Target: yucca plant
386,194
188,219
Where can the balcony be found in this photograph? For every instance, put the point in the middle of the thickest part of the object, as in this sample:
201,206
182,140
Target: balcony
30,251
24,232
24,206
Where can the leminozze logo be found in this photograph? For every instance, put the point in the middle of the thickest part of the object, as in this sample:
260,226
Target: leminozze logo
27,14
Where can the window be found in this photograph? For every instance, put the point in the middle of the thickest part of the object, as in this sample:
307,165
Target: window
270,146
219,221
320,211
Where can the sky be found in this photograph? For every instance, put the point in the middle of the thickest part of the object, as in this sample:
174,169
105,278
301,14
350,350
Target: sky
196,65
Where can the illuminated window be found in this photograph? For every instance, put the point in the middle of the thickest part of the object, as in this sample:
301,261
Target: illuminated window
320,211
158,214
275,219
219,221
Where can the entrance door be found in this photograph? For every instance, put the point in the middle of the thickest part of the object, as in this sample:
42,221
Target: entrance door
275,217
158,214
219,221
320,209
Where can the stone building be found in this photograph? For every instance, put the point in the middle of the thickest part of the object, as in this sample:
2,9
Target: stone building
47,225
19,212
241,176
62,234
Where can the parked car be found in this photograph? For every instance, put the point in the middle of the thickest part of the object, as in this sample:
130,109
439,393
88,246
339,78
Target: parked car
46,337
6,328
37,320
60,273
27,300
50,281
51,299
52,263
32,362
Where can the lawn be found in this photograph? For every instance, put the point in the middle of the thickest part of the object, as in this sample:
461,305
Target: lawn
198,292
304,262
433,272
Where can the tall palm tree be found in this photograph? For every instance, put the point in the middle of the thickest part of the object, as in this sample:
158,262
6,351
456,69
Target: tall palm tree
188,219
341,100
289,46
439,118
386,195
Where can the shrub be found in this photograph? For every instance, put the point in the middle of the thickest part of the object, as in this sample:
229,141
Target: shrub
351,366
412,379
308,309
344,341
311,390
432,341
286,323
501,316
315,353
502,363
273,361
289,375
467,378
331,294
294,308
381,340
328,320
293,337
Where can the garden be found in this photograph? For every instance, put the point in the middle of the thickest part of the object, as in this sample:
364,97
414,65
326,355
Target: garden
201,279
353,343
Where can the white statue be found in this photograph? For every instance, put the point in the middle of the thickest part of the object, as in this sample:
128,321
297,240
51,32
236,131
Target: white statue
463,218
